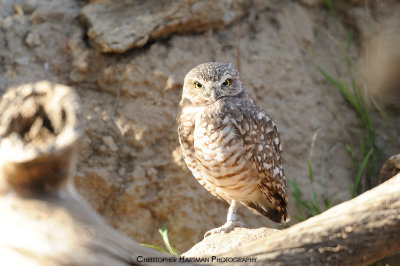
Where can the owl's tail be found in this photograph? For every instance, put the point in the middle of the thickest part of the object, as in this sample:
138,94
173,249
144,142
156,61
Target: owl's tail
263,206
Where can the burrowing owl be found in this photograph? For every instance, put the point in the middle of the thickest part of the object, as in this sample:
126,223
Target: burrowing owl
230,144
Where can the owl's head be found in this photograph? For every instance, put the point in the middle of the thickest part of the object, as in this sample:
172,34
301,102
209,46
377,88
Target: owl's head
209,82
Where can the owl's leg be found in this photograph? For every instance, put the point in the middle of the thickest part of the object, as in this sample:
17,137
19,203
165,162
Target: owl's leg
231,222
232,211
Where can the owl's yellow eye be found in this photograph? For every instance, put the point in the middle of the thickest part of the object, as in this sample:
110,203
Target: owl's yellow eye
226,83
198,85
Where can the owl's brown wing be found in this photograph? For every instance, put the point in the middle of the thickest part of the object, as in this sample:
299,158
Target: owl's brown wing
264,149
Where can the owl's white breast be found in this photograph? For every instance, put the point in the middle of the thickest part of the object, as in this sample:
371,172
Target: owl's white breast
222,158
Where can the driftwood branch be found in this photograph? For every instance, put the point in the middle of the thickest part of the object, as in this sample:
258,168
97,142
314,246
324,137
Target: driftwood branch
356,232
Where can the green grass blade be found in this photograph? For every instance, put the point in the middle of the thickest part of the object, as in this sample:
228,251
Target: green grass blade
329,203
315,203
342,88
300,203
298,195
310,172
329,4
299,218
315,208
156,247
313,212
164,234
349,39
359,173
310,207
351,152
333,81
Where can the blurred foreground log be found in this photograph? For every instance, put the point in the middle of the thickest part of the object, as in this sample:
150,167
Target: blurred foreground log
357,232
43,220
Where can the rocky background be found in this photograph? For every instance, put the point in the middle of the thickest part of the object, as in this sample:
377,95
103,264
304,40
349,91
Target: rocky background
127,61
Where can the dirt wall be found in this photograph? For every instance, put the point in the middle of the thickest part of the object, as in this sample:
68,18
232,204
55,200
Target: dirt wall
138,180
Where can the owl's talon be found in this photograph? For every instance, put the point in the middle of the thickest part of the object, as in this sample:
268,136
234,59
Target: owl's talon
226,228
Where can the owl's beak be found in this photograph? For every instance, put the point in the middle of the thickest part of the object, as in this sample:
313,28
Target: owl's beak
214,93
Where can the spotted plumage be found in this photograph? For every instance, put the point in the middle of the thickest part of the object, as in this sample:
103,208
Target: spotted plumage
230,144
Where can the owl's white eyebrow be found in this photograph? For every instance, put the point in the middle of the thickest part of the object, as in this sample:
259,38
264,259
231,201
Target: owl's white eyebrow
226,76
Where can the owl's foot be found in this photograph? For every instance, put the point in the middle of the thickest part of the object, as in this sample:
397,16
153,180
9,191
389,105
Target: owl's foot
227,227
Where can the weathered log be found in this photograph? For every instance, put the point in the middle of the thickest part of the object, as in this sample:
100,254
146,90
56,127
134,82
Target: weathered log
357,232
